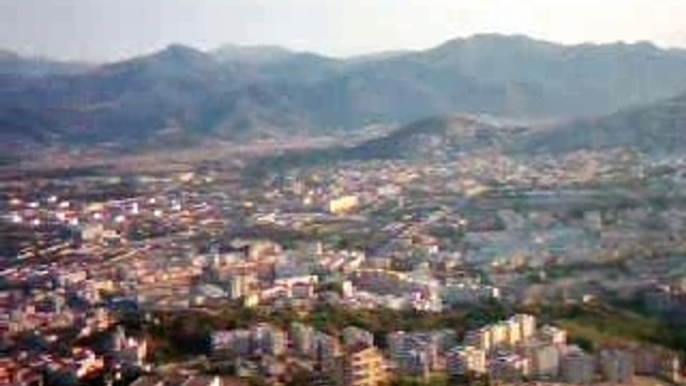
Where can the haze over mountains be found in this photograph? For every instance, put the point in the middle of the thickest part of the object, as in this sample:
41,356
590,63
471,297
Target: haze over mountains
181,95
12,64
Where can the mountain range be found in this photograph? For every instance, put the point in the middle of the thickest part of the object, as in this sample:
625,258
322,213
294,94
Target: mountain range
181,95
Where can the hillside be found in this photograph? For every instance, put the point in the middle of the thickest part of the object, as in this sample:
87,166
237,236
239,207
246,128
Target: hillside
435,138
180,95
656,128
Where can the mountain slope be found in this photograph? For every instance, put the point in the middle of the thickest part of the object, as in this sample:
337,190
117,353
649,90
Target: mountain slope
435,138
657,128
542,78
124,102
277,64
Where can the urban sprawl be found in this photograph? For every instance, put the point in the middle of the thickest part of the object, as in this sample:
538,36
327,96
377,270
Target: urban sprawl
479,269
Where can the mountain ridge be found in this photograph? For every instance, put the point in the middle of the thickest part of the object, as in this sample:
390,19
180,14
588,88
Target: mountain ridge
196,95
243,49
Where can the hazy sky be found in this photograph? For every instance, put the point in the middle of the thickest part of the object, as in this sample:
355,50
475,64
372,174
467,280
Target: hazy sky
113,29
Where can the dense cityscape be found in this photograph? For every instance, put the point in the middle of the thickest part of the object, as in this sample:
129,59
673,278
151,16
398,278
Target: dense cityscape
342,193
494,266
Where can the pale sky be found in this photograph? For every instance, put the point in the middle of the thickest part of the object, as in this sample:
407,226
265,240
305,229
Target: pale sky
115,29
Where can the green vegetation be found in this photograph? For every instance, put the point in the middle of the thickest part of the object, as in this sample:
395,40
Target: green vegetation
182,334
179,335
383,321
592,326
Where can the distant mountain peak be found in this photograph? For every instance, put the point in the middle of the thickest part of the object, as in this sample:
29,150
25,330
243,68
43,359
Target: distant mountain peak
258,54
500,36
174,61
180,51
497,38
489,39
174,55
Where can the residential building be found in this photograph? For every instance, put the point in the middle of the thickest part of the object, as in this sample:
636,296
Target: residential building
269,340
464,360
354,335
616,365
302,338
507,367
480,338
365,366
326,347
659,362
343,204
240,285
413,354
553,335
499,334
577,366
527,325
544,359
203,381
